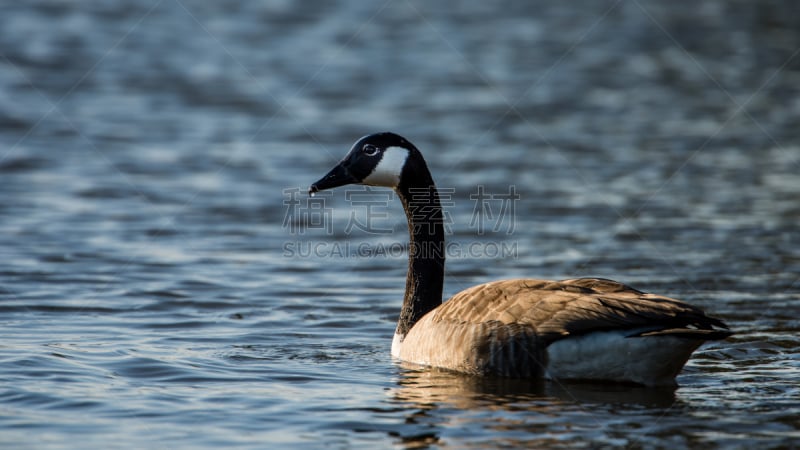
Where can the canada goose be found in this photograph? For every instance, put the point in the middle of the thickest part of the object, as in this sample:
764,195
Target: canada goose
580,329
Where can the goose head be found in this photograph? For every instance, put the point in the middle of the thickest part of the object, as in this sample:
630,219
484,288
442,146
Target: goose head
374,160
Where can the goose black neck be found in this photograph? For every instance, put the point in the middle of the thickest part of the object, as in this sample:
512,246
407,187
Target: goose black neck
423,209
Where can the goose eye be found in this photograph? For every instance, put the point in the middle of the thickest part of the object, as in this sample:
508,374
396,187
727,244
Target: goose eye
370,150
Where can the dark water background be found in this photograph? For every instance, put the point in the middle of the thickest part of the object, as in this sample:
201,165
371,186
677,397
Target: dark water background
148,151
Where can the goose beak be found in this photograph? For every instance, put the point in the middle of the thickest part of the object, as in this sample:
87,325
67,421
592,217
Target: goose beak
338,176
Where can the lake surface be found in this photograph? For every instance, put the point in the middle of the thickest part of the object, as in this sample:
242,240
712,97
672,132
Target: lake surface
166,283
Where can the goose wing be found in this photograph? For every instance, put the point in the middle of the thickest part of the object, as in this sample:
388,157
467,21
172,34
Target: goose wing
558,309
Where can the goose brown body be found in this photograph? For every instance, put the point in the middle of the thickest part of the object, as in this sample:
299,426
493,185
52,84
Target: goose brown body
509,328
585,328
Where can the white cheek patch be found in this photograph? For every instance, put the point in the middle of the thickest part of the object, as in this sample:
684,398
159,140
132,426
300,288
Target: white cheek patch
387,172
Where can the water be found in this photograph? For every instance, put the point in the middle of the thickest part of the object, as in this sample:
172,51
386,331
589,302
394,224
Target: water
154,290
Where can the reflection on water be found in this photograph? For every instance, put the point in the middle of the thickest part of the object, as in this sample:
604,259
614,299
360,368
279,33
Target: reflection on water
432,386
532,409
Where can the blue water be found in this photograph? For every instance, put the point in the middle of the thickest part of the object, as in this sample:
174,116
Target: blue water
152,294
